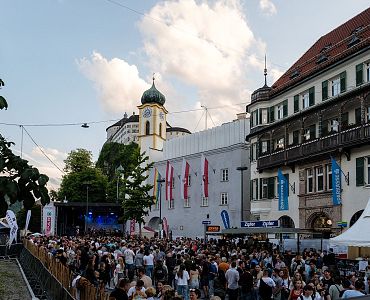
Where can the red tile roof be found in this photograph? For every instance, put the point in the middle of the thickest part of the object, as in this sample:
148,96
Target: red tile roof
330,48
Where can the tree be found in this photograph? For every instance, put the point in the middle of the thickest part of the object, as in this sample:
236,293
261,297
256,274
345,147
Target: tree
19,181
82,176
137,201
35,221
78,160
111,157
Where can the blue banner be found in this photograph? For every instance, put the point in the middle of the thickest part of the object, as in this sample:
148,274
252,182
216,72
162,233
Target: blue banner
259,224
225,219
336,182
283,191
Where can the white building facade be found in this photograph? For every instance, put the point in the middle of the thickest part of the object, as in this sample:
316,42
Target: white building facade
318,110
225,149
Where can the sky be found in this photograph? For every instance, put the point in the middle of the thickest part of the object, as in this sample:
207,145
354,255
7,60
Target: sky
75,61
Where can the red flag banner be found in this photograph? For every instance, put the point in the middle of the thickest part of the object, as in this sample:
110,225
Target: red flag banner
185,179
169,181
204,166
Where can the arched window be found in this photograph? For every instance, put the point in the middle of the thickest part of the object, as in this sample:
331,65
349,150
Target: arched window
160,129
286,222
147,128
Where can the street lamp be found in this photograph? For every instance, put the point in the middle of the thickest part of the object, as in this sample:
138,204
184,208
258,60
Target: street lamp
160,181
242,169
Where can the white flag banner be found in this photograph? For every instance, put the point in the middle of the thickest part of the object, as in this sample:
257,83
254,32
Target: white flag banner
27,221
12,222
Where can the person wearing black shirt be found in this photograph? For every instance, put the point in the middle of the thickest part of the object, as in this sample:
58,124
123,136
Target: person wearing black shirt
246,283
120,292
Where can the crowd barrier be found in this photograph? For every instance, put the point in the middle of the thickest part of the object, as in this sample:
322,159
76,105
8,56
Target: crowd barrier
64,275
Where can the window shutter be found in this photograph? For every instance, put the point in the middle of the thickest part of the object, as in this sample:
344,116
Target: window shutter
268,146
251,152
345,119
360,170
271,188
324,127
343,82
256,181
296,103
285,108
260,116
311,96
358,116
324,86
359,74
260,188
251,189
313,132
251,120
272,114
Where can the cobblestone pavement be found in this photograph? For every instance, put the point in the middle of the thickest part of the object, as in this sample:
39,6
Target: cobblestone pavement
12,285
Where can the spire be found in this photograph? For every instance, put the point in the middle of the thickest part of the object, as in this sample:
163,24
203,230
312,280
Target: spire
153,78
265,72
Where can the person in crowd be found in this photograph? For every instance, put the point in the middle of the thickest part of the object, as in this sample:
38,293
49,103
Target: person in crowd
336,289
145,278
148,261
160,271
119,270
357,292
232,278
246,283
182,278
195,294
308,293
219,285
150,293
120,292
266,286
137,292
296,291
129,257
194,277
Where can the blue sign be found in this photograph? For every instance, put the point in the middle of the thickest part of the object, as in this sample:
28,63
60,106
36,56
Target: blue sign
225,219
260,224
336,182
283,191
206,222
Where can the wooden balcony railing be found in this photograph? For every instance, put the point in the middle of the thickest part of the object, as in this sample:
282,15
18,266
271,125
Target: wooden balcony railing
350,137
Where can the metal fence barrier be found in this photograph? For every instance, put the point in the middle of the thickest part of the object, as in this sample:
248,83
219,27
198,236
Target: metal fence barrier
13,251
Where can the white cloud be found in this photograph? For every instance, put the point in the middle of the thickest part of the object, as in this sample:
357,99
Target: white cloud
267,7
118,83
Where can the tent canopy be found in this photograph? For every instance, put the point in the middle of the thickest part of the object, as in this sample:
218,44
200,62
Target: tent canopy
359,234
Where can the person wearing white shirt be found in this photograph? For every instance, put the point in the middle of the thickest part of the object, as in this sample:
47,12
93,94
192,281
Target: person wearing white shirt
182,278
148,261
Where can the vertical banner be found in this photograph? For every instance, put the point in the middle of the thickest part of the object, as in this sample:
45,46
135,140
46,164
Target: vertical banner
283,191
204,166
225,219
155,185
27,221
12,222
132,227
184,179
169,181
48,219
336,182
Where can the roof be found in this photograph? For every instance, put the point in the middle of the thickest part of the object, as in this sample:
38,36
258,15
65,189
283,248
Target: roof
153,96
120,123
174,129
356,236
344,41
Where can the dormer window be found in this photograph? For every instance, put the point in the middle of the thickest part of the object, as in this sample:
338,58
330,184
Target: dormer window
294,74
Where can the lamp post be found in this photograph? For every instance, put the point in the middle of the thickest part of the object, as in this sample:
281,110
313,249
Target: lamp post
242,169
160,181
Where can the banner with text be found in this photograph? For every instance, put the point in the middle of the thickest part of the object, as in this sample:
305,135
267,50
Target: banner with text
283,191
336,182
49,219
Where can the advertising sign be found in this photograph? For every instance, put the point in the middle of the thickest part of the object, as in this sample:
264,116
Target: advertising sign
213,228
283,191
225,219
336,182
49,219
260,224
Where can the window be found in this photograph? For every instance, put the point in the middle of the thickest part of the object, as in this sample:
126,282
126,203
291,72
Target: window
328,177
305,100
171,204
204,201
334,124
335,87
225,175
358,116
264,147
224,198
147,128
160,129
264,187
254,189
189,180
280,111
295,137
264,116
307,134
173,182
319,179
254,117
187,202
309,181
360,170
280,143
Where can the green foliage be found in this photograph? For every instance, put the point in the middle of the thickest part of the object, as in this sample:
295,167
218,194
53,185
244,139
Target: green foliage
137,201
19,180
78,160
3,103
82,176
35,221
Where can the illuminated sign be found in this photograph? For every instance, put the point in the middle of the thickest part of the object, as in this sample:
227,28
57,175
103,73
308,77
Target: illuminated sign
213,228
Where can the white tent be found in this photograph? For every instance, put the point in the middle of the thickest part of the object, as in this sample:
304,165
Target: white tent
358,235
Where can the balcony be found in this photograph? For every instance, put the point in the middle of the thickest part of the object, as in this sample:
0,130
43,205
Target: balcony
347,138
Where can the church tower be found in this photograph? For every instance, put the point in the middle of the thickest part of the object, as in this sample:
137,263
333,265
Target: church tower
152,121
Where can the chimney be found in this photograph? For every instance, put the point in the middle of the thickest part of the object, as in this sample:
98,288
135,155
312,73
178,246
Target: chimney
241,116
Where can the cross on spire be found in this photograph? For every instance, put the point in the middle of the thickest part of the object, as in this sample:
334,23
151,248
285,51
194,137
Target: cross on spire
265,72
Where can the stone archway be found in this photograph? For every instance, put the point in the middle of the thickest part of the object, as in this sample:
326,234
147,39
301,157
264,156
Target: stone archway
355,217
154,223
286,222
319,221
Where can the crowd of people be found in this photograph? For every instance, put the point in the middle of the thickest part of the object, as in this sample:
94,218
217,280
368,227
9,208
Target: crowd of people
246,269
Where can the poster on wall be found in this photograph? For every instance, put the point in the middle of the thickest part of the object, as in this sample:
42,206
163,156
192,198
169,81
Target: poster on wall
48,219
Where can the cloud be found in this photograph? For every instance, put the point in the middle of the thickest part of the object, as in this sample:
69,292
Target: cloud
118,83
267,7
